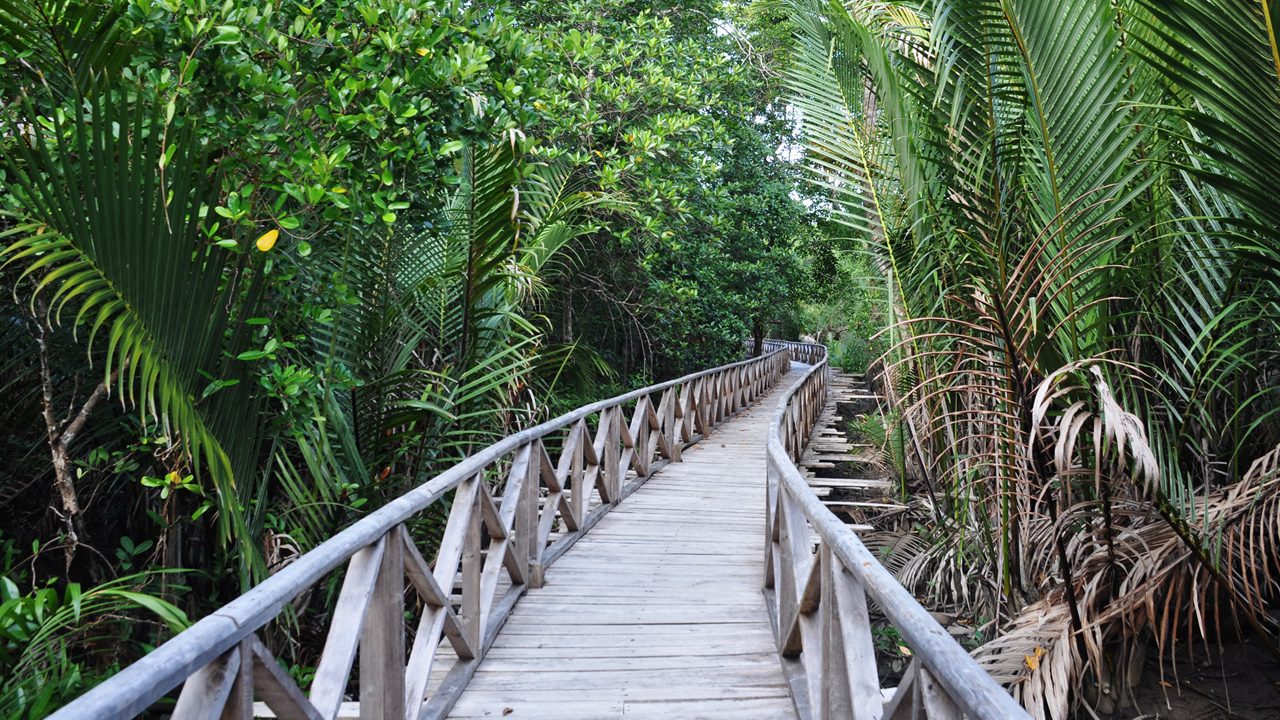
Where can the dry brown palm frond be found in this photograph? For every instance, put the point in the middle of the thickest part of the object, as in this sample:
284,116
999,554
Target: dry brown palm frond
1149,580
927,560
1119,439
1264,469
1161,590
1036,659
1232,543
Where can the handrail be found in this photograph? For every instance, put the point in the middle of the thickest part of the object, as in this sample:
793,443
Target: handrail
543,509
803,352
819,599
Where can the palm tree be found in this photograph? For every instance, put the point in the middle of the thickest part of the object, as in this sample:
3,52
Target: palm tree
111,230
1069,214
441,354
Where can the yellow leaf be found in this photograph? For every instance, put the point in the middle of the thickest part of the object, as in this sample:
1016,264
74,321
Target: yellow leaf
422,52
1033,660
339,191
268,240
904,650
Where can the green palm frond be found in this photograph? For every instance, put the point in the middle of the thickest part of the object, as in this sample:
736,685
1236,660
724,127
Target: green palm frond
114,242
554,201
1046,185
64,44
1220,57
1082,172
438,353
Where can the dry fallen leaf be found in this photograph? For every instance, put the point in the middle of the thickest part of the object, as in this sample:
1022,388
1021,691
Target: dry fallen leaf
1033,660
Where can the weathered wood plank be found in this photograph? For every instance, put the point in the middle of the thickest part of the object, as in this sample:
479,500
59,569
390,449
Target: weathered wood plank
339,652
382,690
277,690
205,693
662,592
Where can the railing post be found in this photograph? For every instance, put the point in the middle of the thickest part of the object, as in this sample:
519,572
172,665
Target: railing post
613,455
685,419
578,494
836,702
528,527
770,508
667,423
904,704
934,700
382,641
469,609
210,689
859,646
641,453
785,583
345,628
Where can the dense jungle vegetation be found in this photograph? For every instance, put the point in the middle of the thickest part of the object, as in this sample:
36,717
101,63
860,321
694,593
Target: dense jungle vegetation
1071,210
266,265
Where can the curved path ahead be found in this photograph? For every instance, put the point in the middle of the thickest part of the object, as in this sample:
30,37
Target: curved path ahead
657,612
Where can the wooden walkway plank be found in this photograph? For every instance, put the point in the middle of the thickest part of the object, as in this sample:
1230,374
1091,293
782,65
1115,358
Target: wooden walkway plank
657,611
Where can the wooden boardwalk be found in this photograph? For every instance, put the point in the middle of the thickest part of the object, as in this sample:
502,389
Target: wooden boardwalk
657,612
628,559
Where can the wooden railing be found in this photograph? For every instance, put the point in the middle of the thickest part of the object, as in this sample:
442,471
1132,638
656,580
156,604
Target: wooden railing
808,353
512,512
818,578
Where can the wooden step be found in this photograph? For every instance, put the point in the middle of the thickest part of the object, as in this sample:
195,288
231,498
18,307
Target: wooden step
851,483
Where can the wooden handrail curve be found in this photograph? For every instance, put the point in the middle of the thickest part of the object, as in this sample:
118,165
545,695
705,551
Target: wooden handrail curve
512,512
818,577
803,352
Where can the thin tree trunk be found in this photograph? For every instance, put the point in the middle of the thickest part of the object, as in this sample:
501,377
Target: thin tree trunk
60,435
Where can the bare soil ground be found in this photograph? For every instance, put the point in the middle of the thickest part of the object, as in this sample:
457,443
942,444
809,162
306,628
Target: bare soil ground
1242,681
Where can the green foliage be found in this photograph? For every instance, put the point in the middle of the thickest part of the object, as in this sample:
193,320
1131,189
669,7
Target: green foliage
36,669
884,431
272,264
851,312
652,101
130,257
334,114
1065,203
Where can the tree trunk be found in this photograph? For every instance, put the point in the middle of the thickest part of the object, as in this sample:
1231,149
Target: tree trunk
60,436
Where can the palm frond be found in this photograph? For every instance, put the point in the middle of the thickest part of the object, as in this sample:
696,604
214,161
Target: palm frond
65,45
115,235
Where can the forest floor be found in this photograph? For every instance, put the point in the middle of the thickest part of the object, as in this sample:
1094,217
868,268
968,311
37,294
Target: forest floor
1241,682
